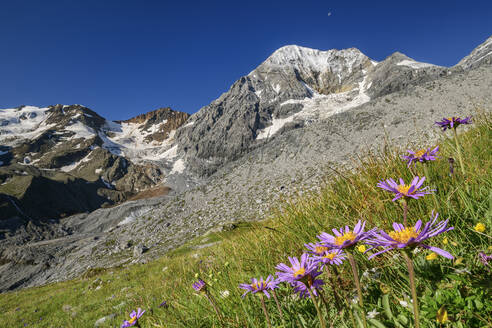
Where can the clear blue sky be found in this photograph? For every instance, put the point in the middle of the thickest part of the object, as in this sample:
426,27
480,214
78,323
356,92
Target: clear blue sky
122,58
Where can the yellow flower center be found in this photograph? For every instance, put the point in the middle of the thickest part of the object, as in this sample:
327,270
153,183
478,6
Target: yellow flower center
403,189
330,256
339,240
256,286
320,249
404,235
361,248
132,320
420,153
299,272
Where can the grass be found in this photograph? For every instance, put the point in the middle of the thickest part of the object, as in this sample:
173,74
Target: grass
461,286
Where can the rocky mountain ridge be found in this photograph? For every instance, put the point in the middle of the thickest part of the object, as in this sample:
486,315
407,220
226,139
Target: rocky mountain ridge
274,134
88,161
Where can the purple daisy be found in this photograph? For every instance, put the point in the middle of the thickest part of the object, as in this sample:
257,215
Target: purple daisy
259,285
422,156
316,249
200,286
403,237
301,274
134,316
333,257
345,238
453,122
411,190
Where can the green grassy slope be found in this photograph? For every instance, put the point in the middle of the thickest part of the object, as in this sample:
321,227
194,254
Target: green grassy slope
462,286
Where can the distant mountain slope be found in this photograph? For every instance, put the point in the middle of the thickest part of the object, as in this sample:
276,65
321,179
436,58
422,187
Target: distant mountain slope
60,144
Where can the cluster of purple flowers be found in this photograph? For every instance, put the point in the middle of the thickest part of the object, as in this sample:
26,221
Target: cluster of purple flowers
302,274
422,156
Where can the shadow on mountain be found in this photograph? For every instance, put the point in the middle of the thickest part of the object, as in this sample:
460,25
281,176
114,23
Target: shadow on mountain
45,198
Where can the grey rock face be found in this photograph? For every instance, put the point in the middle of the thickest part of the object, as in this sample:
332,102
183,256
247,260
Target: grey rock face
481,55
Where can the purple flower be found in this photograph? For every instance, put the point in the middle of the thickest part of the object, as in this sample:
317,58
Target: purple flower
484,258
333,257
403,237
422,156
316,249
259,285
134,318
301,274
164,305
200,286
453,122
345,238
411,190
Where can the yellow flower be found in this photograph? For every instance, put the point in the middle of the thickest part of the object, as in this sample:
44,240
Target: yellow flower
442,315
385,289
431,256
361,248
445,241
458,261
489,248
480,227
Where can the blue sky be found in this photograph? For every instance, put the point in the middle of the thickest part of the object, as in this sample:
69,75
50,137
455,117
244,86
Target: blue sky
122,58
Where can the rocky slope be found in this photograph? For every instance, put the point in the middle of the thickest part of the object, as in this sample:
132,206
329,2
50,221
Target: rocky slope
272,135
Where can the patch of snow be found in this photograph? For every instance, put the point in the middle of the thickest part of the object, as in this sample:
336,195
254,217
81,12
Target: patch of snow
134,216
97,171
258,93
309,60
277,124
74,165
413,64
276,88
189,124
81,131
178,167
321,106
17,125
88,115
106,183
374,63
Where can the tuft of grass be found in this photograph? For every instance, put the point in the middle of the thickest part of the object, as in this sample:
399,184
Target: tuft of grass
462,286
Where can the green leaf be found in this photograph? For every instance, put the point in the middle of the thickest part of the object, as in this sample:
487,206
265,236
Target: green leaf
402,319
386,306
377,323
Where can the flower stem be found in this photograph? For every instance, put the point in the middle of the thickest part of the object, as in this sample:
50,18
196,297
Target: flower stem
340,283
320,316
433,194
405,212
357,285
279,308
411,275
333,286
458,149
212,302
265,310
